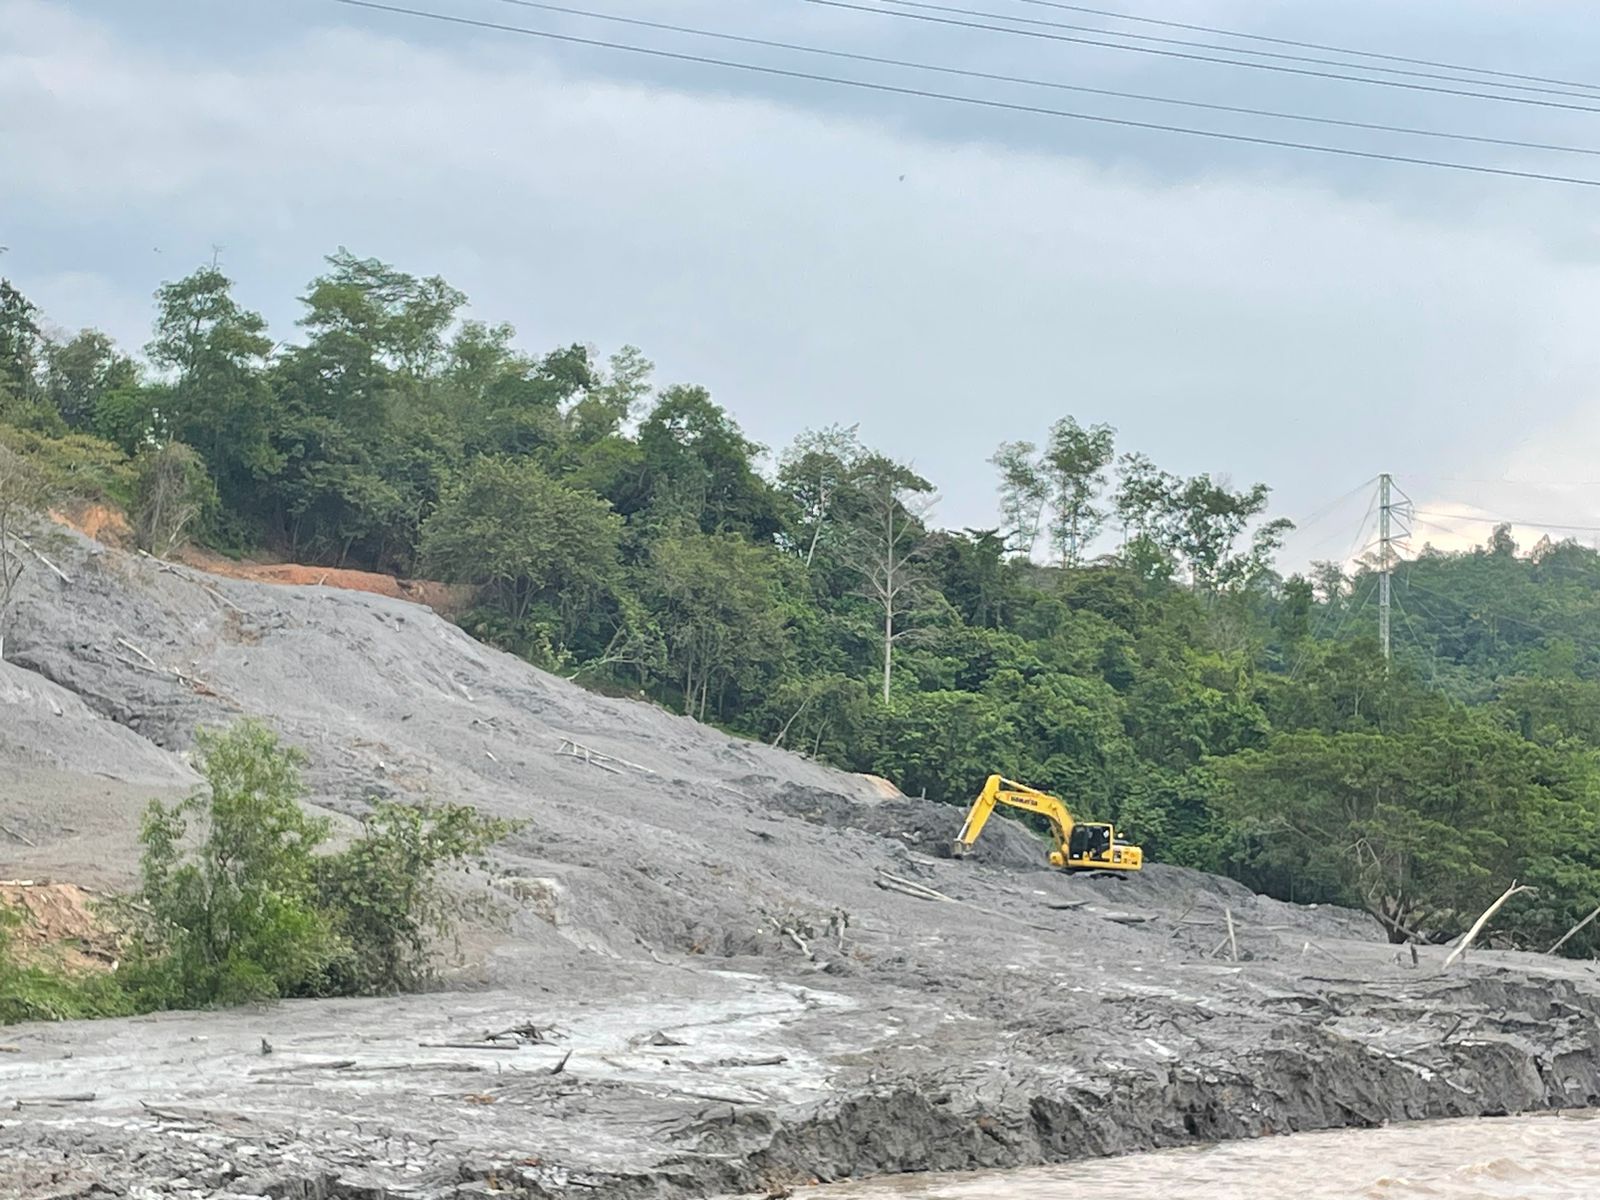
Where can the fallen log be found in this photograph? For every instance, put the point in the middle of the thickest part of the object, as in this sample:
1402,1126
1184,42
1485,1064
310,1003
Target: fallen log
1477,926
332,1064
1565,937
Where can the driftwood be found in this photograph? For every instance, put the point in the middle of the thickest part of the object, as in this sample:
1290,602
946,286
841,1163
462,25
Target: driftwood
570,748
1310,945
1233,942
65,1098
1477,926
470,1045
150,667
896,883
1565,937
771,1060
562,1065
18,835
1121,918
28,546
332,1064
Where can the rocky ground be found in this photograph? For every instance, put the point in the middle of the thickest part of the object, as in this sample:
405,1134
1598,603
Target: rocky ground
700,982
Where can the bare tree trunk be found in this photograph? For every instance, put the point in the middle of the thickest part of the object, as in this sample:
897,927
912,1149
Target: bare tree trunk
888,649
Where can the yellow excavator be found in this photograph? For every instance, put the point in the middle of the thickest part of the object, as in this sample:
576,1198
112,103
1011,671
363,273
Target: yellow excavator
1079,845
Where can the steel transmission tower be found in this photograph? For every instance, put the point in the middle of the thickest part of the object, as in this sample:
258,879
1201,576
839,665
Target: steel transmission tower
1390,515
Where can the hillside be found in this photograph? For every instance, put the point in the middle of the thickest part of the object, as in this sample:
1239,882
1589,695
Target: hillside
695,920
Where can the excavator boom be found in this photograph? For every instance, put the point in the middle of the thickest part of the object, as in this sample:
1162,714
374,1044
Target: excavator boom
1077,845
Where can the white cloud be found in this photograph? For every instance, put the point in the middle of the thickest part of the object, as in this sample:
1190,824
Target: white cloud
1257,325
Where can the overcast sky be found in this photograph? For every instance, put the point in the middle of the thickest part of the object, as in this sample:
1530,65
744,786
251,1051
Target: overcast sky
946,276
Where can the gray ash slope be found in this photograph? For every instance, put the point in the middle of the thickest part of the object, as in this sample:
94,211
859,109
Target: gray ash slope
699,918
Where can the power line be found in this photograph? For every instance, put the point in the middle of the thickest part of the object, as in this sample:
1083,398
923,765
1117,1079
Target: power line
1302,58
1467,609
1057,85
1327,610
1278,41
1432,655
1504,521
1314,517
980,102
1192,57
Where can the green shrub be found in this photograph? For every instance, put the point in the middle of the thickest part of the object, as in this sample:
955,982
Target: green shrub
240,903
174,498
387,896
46,992
235,917
76,465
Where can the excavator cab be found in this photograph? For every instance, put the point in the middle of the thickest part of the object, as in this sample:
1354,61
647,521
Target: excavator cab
1081,846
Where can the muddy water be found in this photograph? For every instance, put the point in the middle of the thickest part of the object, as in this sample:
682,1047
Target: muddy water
1518,1158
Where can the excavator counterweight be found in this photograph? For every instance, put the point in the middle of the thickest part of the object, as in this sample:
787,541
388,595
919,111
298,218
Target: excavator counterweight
1078,845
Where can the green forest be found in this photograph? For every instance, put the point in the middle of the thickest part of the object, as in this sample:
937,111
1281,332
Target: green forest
1123,639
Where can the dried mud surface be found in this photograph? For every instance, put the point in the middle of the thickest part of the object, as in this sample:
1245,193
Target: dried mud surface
693,932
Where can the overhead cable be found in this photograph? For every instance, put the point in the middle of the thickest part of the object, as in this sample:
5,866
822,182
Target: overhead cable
1167,41
977,101
1057,85
1192,57
1303,45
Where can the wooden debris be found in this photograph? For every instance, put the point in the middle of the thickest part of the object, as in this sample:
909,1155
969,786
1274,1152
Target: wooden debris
910,887
1310,945
771,1060
66,1098
659,1038
562,1065
1565,937
526,1033
127,645
1124,918
331,1064
28,546
469,1046
1233,942
1477,926
606,762
18,835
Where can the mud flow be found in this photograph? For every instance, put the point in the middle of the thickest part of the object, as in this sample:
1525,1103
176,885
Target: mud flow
715,940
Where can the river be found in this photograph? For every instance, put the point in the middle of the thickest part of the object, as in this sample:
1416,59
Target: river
1543,1157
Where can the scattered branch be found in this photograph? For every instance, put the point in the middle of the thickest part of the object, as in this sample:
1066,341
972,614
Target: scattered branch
1477,927
1565,937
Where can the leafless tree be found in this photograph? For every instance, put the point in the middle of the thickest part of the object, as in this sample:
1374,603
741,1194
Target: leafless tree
883,545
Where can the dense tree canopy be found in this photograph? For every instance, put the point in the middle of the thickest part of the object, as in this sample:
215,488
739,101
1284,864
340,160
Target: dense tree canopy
1158,671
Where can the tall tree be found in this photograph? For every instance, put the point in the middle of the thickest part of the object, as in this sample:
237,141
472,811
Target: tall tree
884,543
1205,523
83,370
1024,491
22,354
813,472
508,526
613,398
1074,462
701,468
1143,497
216,352
718,600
